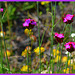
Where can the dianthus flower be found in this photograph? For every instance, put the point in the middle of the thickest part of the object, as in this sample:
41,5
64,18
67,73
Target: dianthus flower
68,18
70,46
1,9
36,50
59,37
29,23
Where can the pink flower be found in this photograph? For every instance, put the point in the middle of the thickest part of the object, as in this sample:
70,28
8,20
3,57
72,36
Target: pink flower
59,37
1,9
29,23
68,18
70,46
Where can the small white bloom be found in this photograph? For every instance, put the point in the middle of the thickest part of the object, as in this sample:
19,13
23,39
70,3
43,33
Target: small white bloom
73,34
67,53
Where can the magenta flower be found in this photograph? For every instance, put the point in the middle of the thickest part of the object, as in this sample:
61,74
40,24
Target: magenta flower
70,46
68,18
29,23
59,37
1,9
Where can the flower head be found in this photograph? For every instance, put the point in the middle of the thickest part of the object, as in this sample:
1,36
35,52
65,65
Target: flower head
59,37
25,68
70,46
29,23
24,53
64,59
68,18
36,50
1,34
8,53
1,9
57,58
66,70
33,38
44,2
55,52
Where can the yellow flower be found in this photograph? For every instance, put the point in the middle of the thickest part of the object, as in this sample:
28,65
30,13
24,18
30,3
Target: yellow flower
1,34
66,70
73,66
8,53
55,52
44,2
57,58
28,32
64,59
24,53
25,68
36,50
69,62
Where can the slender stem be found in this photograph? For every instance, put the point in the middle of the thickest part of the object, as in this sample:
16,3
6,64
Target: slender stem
54,11
52,38
58,58
42,38
39,34
5,48
67,61
1,54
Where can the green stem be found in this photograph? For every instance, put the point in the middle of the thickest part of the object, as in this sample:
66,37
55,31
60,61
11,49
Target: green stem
1,55
58,58
39,34
5,48
52,38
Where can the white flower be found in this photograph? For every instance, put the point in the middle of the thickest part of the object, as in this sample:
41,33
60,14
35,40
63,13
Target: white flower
73,34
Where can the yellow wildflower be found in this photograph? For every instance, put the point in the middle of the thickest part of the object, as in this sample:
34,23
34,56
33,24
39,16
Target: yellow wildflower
44,2
24,53
73,66
64,59
25,68
55,52
69,62
8,53
28,31
57,58
66,70
36,50
1,34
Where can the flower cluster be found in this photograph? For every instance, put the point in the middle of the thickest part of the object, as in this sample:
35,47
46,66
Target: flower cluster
59,37
55,52
24,53
28,32
68,18
66,70
36,50
70,46
29,23
25,68
44,2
